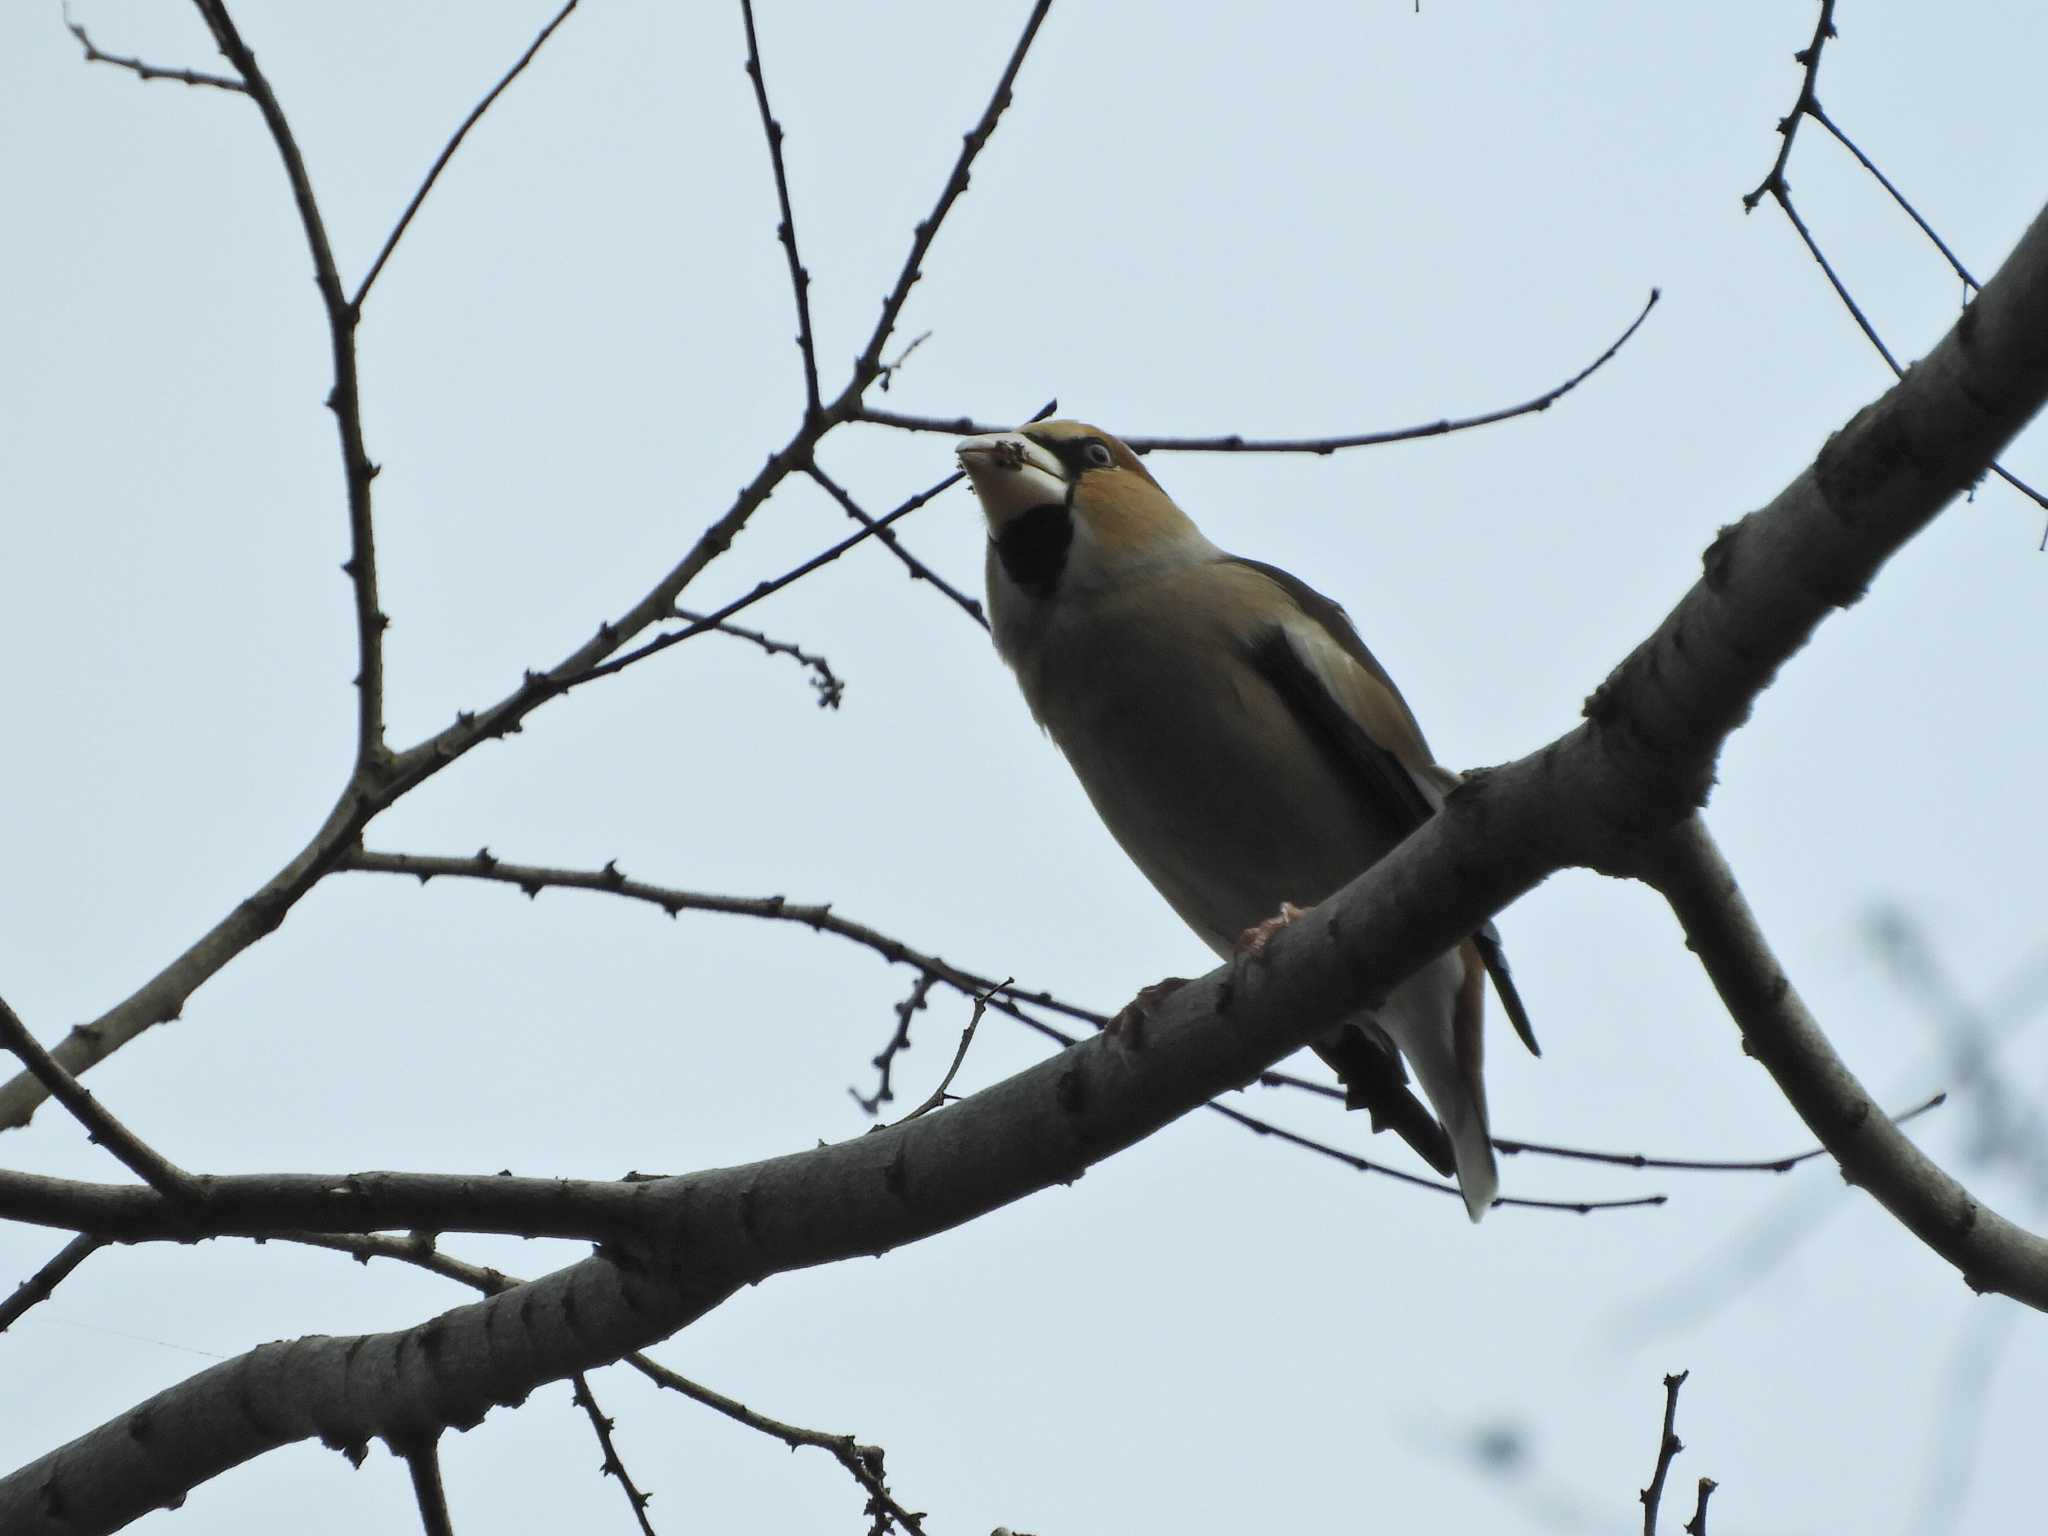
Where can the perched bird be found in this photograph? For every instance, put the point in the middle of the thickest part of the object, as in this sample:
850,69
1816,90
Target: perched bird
1238,740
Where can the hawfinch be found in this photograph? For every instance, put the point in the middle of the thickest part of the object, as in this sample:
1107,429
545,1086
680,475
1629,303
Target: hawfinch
1239,741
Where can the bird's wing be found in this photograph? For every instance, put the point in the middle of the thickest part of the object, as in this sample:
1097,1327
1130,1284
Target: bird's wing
1352,710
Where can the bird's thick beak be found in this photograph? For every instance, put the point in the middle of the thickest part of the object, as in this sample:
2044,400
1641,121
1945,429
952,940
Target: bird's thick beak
1011,475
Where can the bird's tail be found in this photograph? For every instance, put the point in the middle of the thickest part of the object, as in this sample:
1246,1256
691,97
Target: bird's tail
1433,1017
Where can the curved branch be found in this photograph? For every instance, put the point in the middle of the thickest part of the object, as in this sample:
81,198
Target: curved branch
1992,1254
964,426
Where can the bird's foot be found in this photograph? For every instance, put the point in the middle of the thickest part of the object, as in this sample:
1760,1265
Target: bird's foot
1128,1027
1253,941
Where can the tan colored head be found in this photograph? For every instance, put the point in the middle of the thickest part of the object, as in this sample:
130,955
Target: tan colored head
1068,504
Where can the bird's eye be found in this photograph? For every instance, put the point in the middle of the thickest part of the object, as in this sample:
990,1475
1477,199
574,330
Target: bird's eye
1097,454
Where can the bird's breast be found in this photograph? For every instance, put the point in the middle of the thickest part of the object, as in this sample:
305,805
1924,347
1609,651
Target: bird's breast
1225,799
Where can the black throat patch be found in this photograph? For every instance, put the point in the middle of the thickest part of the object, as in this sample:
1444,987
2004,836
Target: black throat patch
1033,548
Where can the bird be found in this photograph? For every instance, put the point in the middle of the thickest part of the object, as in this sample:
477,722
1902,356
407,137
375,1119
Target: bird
1240,742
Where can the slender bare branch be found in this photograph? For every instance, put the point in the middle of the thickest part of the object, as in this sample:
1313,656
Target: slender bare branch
345,399
562,680
143,71
613,1466
1808,58
831,690
964,426
919,571
938,1094
448,153
785,232
1695,1164
1668,1447
863,1462
1780,190
1813,110
101,1127
868,366
41,1285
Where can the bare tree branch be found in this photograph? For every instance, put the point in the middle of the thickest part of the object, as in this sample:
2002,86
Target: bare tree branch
448,153
602,1427
1780,190
1697,1525
144,71
101,1128
381,778
1695,1164
1992,1253
868,366
41,1285
919,571
345,400
785,232
831,690
1668,1447
424,1462
1236,443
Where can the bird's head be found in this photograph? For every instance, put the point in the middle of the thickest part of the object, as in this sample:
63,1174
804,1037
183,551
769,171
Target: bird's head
1068,505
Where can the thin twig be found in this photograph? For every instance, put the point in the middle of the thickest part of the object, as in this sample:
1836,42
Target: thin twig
1668,1447
101,1128
919,571
602,1426
899,1042
1841,289
424,1462
1695,1165
1780,190
889,370
654,647
610,880
1415,1180
1788,125
448,153
1813,110
785,232
938,1094
868,367
344,400
865,1463
38,1287
964,426
830,688
143,71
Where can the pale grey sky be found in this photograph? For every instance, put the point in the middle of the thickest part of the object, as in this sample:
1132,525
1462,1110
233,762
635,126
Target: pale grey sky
1337,217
